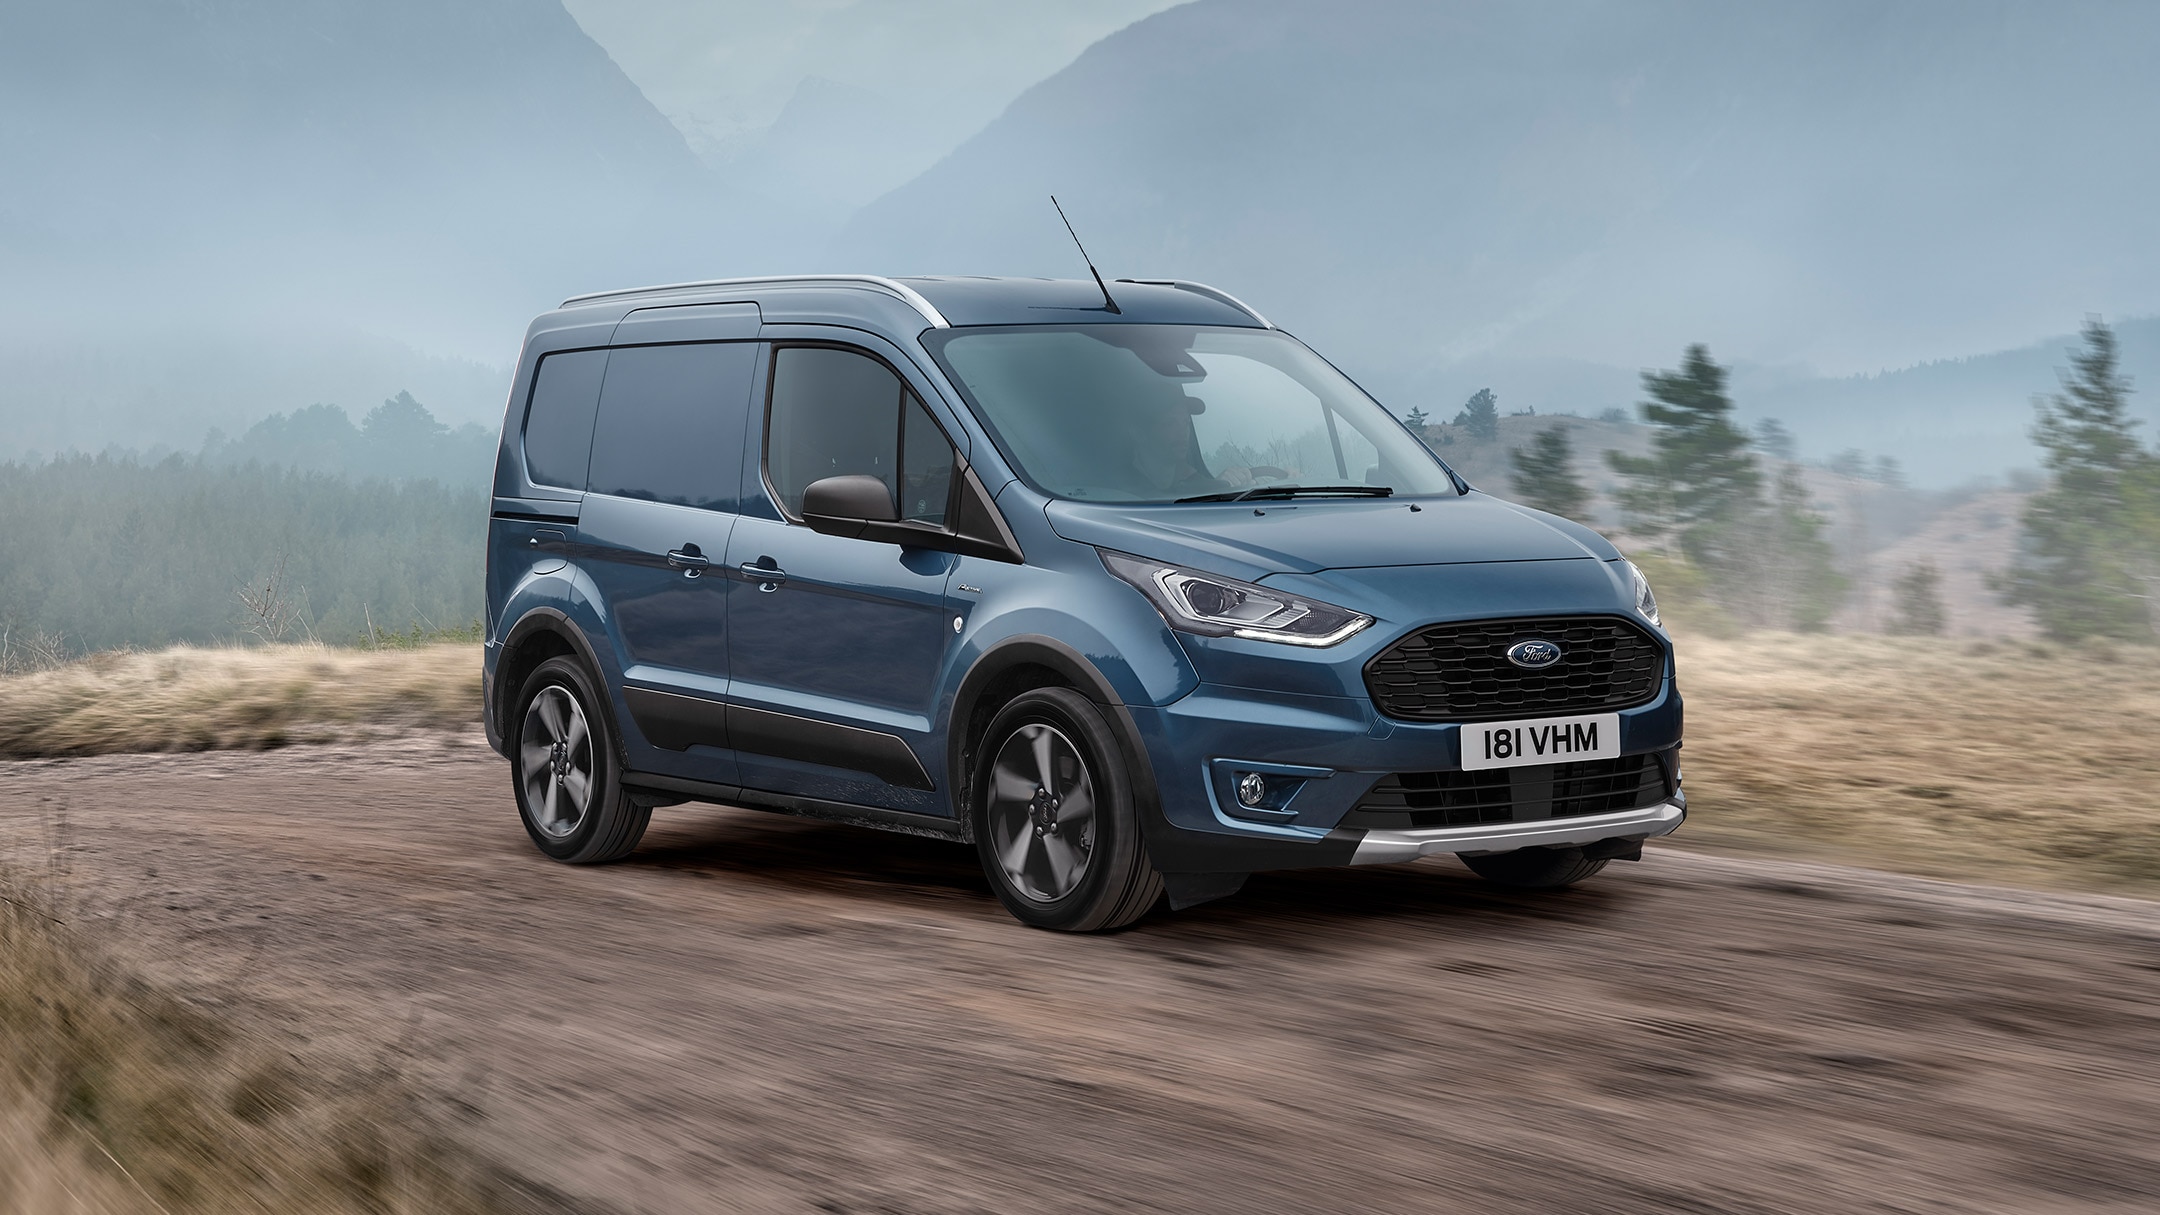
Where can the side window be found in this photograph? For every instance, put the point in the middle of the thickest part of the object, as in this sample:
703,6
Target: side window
836,413
559,419
926,465
671,423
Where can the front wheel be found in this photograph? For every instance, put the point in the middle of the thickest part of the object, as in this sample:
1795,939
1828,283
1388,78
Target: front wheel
569,790
1534,868
1054,818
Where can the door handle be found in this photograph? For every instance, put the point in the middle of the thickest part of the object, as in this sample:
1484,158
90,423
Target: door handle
768,577
689,560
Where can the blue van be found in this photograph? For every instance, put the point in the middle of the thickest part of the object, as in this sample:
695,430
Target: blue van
1128,588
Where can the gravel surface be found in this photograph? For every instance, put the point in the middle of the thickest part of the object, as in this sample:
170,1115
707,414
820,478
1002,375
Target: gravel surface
760,1013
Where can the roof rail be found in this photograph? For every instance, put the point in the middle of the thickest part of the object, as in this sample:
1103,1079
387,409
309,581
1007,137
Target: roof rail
1213,293
907,294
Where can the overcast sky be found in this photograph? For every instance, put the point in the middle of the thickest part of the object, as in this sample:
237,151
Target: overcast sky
722,69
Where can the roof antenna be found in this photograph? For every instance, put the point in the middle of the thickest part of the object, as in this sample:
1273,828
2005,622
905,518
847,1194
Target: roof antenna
1109,304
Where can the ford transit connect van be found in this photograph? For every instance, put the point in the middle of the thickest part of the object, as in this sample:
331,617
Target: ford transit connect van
1127,588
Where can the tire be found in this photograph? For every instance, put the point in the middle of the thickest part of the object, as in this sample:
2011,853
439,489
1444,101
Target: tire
562,742
1054,817
1534,868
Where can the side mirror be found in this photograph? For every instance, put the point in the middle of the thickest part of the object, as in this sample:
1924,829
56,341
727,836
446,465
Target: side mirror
861,508
845,506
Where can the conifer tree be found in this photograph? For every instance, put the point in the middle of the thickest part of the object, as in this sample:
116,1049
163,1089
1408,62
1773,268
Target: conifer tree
1797,559
1545,475
1916,602
1480,416
2083,560
1700,480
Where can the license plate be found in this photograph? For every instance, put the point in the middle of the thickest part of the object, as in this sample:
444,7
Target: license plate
1547,740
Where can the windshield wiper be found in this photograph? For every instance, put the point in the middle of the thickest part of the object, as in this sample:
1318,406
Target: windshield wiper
1295,491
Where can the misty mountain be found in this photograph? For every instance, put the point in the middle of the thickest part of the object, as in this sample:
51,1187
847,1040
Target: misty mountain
1948,420
834,148
410,165
1418,185
137,385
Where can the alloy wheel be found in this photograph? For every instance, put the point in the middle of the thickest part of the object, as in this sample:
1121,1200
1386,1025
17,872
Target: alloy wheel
555,758
1042,812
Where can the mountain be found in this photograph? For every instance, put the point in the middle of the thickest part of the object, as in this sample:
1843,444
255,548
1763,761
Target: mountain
1420,186
407,162
143,388
833,148
1951,419
218,209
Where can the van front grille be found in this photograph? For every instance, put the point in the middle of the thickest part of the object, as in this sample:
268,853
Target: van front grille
1461,672
1515,795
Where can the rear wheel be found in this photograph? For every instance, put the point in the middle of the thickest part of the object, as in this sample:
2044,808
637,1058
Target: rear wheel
569,789
1534,868
1055,822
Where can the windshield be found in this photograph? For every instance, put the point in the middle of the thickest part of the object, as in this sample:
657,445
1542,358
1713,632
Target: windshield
1158,413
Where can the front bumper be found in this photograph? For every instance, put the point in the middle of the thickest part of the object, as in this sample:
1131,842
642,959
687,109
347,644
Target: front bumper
1390,846
1195,744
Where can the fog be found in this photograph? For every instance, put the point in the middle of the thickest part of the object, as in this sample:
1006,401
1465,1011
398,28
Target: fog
1889,217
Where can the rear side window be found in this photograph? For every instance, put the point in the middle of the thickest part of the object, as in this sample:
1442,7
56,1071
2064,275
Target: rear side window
836,413
559,421
671,423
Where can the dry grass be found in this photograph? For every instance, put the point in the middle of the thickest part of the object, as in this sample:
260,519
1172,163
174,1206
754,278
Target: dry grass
188,699
116,1097
2012,762
1999,761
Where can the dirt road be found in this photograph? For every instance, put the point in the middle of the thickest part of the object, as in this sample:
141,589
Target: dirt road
759,1013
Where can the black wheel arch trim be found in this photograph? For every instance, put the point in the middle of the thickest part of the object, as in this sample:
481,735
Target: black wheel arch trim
556,622
1172,849
1029,649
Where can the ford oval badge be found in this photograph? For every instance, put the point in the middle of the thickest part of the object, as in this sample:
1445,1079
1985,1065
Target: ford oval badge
1533,655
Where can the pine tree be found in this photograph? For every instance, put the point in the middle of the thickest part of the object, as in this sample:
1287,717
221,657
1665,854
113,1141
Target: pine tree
1416,421
1700,479
1916,602
1776,441
1545,475
1798,555
2084,550
1480,416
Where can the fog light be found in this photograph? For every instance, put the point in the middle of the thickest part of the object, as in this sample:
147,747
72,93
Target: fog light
1251,789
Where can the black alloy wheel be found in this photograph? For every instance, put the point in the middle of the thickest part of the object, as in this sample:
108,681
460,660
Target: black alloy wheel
1054,819
567,779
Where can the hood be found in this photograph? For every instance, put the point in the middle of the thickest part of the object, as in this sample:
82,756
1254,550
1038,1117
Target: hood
1251,540
1416,595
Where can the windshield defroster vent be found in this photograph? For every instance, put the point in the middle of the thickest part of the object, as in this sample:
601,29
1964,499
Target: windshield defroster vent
1461,671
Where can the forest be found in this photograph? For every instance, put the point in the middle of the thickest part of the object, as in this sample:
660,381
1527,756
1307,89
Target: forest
304,527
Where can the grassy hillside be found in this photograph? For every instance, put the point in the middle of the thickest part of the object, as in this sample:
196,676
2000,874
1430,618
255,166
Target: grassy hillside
1998,762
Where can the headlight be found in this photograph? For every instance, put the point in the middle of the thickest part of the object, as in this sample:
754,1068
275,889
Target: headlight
1645,602
1215,606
